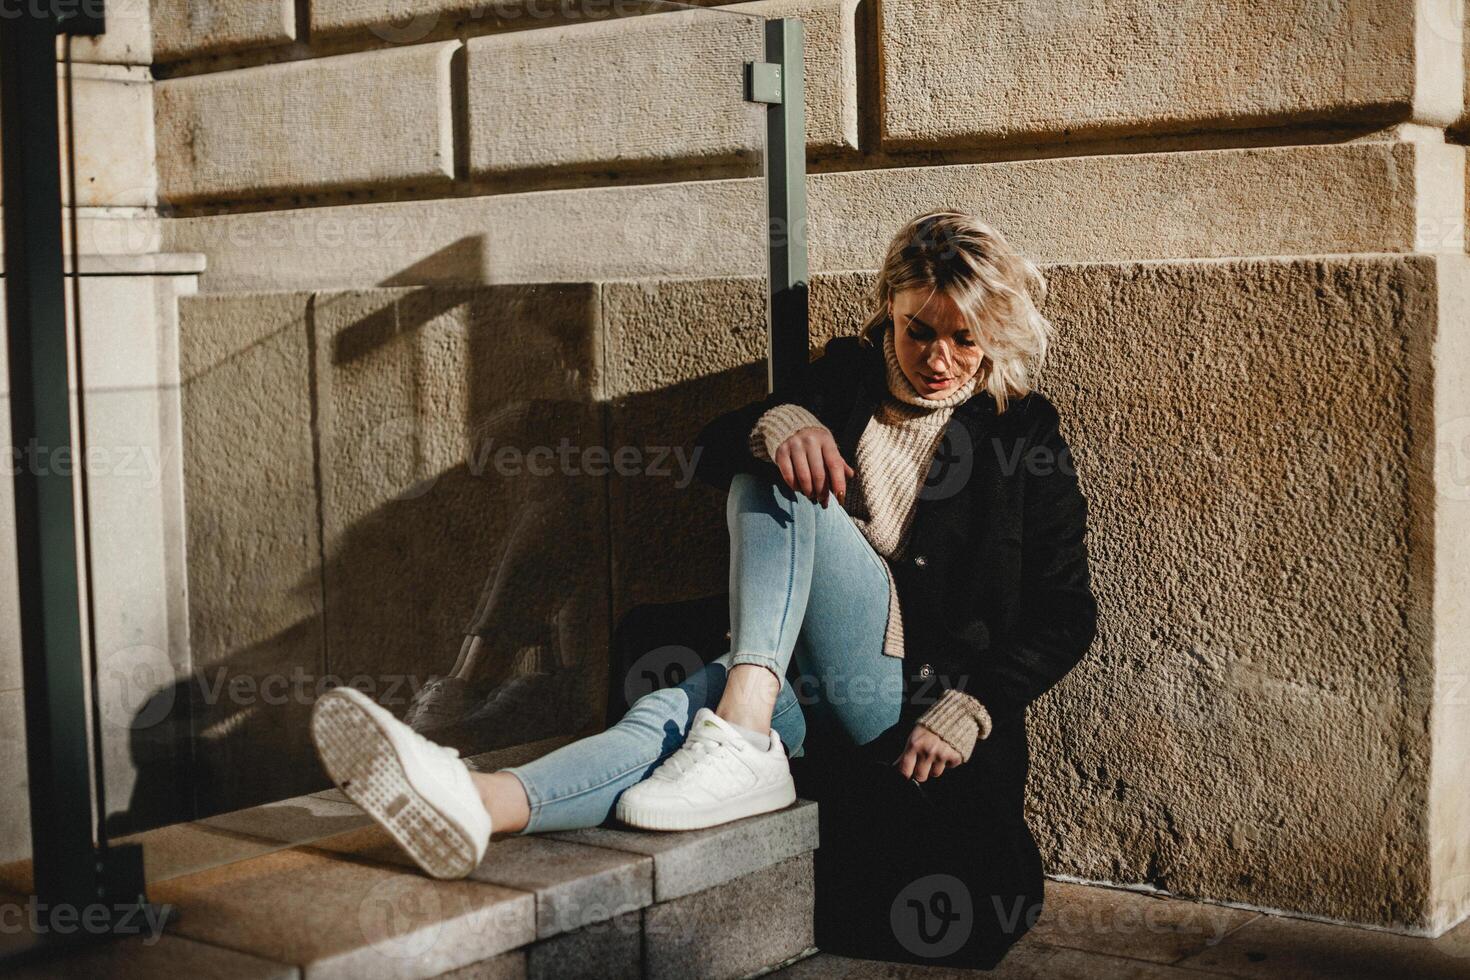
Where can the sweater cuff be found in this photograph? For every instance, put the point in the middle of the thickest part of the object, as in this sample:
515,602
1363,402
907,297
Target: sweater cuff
775,426
958,719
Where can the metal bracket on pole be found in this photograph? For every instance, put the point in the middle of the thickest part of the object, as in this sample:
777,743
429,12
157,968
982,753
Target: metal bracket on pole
73,872
778,83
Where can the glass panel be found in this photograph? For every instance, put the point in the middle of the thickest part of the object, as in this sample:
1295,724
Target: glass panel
438,447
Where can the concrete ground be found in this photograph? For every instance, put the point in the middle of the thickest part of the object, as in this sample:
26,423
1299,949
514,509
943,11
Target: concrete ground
1088,931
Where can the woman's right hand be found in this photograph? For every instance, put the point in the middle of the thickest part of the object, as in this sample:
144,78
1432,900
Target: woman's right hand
810,462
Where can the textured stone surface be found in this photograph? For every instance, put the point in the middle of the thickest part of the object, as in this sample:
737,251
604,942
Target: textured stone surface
352,120
574,884
254,558
695,860
140,959
1271,946
188,27
443,416
831,78
1406,196
299,819
743,926
644,91
1019,70
337,918
506,966
185,848
610,950
1131,924
1255,460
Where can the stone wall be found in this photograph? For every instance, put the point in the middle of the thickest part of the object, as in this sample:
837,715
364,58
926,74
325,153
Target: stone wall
422,219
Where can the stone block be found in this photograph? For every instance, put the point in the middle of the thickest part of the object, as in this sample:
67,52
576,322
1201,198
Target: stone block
575,884
997,71
610,950
735,930
1276,946
183,28
370,118
656,91
145,958
455,426
830,41
1407,196
1254,439
254,553
336,918
693,861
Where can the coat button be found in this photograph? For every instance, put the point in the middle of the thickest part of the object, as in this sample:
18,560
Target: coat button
920,560
925,670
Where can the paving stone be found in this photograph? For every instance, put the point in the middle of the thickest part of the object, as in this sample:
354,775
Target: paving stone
732,930
685,862
168,956
1277,946
337,917
1131,924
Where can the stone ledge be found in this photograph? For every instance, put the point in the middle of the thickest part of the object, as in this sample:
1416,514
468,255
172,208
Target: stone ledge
735,898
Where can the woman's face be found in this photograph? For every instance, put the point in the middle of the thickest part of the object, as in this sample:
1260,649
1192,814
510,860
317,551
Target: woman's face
936,348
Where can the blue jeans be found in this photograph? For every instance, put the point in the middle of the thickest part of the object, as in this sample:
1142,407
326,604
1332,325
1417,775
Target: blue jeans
804,582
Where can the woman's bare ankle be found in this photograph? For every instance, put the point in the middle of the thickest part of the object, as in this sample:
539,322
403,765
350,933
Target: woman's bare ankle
504,799
750,697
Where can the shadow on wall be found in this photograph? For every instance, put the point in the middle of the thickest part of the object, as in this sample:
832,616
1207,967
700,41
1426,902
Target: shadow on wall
462,480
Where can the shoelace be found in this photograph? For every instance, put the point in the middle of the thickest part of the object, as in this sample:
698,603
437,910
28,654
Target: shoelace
697,749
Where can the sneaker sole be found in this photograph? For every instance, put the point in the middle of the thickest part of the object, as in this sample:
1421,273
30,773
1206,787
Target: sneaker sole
657,818
362,760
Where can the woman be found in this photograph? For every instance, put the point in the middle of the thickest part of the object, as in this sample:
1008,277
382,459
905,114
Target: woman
945,590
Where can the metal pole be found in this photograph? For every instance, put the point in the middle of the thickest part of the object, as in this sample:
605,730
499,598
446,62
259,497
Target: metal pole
70,869
788,315
40,423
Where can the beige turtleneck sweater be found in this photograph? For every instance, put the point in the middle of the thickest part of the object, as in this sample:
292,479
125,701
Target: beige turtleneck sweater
893,458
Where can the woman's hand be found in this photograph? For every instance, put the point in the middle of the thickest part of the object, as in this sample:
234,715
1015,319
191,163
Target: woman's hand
809,462
926,755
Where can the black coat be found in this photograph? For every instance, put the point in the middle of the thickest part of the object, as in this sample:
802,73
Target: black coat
997,601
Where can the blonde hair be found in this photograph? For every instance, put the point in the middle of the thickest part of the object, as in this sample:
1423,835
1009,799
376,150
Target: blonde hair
996,288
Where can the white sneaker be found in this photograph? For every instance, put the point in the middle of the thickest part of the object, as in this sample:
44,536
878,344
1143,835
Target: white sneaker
419,792
716,776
